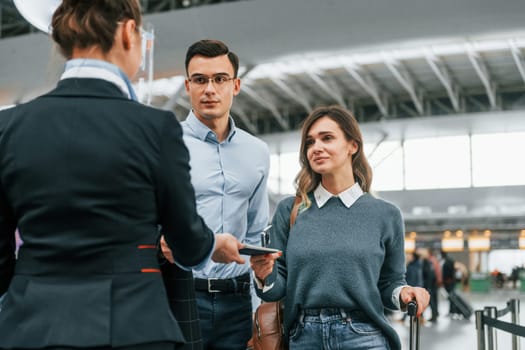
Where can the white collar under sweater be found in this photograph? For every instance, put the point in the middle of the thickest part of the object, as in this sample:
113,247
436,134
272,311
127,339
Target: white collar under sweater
348,196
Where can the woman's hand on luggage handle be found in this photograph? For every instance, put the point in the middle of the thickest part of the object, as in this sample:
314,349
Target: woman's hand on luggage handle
420,295
262,265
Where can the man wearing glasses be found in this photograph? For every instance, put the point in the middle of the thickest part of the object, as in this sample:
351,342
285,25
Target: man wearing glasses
229,171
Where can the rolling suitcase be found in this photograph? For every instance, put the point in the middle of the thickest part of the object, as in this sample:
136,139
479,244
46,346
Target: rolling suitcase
414,325
461,305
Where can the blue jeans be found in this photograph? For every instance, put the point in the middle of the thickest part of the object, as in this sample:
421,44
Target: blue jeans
335,329
225,319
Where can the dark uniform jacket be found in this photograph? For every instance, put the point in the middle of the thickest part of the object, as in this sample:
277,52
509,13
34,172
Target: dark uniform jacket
88,176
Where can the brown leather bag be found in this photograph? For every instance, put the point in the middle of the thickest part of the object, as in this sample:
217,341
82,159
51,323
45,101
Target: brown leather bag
268,329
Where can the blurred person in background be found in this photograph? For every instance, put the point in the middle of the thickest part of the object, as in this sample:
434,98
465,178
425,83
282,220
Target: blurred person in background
432,280
88,175
414,274
449,279
343,261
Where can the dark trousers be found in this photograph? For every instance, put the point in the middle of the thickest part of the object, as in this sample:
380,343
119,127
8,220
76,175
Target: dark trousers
225,319
434,302
450,289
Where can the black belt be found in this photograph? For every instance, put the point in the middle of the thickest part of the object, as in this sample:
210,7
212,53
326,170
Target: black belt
341,312
239,284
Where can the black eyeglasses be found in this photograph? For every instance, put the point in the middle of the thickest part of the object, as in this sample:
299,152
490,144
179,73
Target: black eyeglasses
218,79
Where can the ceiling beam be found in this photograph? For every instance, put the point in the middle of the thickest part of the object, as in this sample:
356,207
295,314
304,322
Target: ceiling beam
406,80
384,136
301,99
483,74
246,70
441,71
368,83
389,154
407,109
265,103
517,55
184,104
328,90
174,98
478,104
444,107
240,113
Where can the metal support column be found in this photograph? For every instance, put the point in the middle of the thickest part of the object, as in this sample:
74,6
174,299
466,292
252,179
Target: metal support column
480,327
492,312
514,305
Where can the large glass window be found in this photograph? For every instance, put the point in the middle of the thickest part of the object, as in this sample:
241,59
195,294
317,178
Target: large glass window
274,177
442,162
283,170
505,260
386,160
496,159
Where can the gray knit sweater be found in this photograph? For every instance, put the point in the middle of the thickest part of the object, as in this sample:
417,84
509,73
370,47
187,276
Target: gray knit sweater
336,256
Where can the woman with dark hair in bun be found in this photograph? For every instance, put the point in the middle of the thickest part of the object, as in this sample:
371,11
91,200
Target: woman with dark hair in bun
88,175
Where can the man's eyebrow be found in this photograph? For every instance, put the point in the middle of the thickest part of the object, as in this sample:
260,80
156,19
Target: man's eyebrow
215,74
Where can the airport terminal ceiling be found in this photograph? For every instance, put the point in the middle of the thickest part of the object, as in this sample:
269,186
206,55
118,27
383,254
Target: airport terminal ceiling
384,60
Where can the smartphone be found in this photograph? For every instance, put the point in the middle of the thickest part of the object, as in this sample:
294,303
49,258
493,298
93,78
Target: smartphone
265,236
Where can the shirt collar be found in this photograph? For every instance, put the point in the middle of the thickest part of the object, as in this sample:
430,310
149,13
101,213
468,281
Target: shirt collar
348,196
97,69
203,132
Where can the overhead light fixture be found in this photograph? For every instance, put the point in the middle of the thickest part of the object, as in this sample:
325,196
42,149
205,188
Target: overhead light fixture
478,244
450,243
38,12
522,239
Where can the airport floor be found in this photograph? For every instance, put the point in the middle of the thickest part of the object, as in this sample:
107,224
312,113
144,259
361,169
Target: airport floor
457,334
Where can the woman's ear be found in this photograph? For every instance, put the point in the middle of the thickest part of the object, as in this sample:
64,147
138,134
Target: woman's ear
354,147
129,30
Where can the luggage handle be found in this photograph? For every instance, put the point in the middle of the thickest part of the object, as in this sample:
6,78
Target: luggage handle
414,325
412,308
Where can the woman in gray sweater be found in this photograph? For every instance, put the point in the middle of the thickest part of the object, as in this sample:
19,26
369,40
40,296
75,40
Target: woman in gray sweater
343,259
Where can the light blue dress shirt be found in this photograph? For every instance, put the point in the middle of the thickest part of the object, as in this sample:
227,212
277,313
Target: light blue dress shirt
230,181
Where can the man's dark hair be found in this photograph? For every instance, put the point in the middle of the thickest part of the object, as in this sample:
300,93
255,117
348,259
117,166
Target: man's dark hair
212,48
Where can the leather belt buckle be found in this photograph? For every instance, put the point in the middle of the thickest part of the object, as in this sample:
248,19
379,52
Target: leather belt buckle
210,289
